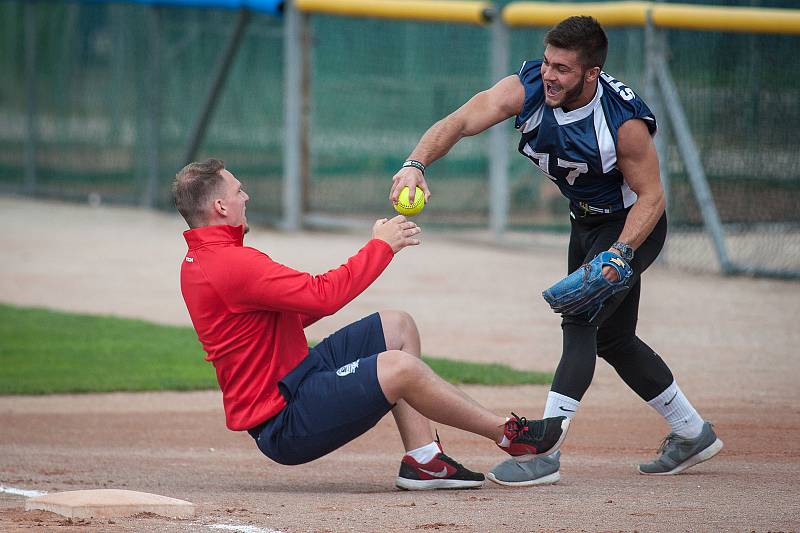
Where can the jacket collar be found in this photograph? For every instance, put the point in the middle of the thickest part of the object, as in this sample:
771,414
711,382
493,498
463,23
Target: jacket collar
206,235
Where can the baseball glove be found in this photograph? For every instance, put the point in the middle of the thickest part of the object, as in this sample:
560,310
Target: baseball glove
586,289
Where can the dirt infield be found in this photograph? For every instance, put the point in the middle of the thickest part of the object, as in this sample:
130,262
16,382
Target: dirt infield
732,343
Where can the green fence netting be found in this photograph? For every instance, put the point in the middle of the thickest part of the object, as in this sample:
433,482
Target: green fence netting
111,81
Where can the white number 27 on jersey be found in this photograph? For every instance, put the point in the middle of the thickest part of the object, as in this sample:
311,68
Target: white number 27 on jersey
543,162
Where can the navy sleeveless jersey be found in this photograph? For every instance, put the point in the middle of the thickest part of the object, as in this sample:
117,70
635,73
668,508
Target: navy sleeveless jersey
578,149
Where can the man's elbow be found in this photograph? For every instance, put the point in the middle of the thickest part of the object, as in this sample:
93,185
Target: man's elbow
453,126
475,116
327,308
319,309
661,201
330,310
655,199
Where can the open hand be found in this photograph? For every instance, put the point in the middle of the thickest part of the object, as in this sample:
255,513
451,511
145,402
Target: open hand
396,232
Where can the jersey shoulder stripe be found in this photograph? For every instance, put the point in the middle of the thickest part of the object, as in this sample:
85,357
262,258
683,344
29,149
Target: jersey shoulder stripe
621,104
530,74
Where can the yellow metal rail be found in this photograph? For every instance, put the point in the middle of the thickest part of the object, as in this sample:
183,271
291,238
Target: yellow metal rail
463,11
548,14
734,19
677,16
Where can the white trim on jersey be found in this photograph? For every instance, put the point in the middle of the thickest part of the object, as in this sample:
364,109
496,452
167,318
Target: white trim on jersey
567,117
628,196
534,121
652,122
605,141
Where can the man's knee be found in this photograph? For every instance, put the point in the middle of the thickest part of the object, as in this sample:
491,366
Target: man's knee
398,361
398,326
623,349
612,342
398,370
612,346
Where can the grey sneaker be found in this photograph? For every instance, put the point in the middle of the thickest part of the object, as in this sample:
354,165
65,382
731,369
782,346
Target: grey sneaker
678,453
541,470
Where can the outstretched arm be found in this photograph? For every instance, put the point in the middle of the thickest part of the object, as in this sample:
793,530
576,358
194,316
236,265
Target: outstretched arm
482,111
397,232
256,282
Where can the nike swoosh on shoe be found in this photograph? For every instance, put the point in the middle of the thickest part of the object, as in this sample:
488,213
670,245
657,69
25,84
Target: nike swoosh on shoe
442,473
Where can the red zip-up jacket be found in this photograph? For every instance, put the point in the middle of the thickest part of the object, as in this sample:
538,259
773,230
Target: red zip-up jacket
249,313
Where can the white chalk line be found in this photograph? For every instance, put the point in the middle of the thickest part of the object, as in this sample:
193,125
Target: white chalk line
244,529
21,492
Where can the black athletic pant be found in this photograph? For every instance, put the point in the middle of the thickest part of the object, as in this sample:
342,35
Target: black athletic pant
612,334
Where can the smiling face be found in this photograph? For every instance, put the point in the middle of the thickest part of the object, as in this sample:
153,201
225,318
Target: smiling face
567,82
232,204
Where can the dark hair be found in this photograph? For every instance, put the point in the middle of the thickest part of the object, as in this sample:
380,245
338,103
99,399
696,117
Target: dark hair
583,35
194,187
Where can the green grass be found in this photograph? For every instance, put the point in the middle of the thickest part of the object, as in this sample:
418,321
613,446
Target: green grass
44,352
485,374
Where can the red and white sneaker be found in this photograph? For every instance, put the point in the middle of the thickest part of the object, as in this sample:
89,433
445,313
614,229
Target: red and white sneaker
524,439
441,472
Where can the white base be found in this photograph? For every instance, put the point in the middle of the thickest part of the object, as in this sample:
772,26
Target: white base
109,503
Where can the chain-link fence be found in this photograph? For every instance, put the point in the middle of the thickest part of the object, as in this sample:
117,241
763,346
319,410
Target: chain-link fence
99,98
110,92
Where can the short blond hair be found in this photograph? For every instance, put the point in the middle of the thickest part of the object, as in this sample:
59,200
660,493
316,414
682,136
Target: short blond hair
194,187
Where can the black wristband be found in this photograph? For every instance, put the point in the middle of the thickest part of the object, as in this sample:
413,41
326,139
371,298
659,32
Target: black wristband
414,163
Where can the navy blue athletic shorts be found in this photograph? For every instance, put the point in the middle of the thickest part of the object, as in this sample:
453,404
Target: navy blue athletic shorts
332,396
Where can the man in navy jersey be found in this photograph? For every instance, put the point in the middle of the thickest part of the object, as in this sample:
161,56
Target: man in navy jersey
592,136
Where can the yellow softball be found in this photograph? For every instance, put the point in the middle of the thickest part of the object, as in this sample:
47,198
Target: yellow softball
405,207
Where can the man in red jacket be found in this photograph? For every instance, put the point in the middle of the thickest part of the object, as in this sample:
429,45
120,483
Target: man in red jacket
299,403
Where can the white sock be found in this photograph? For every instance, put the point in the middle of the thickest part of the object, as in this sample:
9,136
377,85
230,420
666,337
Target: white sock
678,412
560,405
425,454
557,405
504,442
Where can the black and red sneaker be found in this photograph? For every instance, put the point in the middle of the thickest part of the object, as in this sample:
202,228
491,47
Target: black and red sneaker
441,472
525,438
